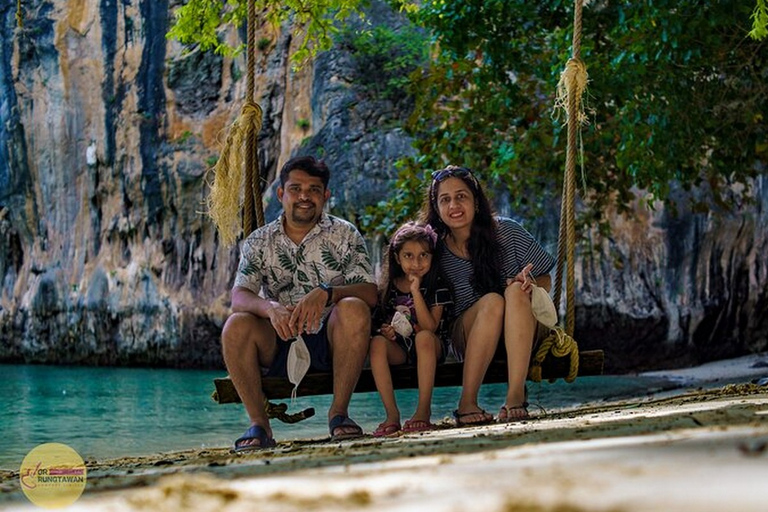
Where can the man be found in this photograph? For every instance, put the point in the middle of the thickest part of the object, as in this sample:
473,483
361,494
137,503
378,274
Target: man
306,273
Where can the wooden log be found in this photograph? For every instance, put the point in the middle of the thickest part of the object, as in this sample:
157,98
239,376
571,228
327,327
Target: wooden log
449,374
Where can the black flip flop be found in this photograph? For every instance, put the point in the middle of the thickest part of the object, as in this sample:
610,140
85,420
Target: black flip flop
343,421
254,432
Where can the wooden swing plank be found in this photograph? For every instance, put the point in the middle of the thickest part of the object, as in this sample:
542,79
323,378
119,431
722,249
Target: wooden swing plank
449,374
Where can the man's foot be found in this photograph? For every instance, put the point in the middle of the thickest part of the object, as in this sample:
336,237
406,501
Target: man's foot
342,427
510,414
255,438
472,418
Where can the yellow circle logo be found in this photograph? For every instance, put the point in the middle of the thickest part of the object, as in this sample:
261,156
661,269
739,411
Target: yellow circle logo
52,475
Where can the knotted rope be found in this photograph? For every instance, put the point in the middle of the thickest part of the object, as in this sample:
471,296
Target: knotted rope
279,411
570,90
559,344
240,151
224,198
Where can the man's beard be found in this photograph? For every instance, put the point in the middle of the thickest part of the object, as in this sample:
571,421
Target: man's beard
304,216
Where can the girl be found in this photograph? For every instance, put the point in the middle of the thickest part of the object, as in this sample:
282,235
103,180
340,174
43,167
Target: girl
408,319
489,263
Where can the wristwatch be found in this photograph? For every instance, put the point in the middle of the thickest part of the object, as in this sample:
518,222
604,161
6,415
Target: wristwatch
329,290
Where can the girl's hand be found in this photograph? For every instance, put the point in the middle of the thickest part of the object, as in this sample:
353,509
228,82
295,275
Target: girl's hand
387,331
415,284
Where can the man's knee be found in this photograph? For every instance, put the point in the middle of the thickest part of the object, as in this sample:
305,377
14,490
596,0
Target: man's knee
353,313
241,328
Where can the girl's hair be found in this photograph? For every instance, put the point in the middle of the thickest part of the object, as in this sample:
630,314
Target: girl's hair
483,244
408,232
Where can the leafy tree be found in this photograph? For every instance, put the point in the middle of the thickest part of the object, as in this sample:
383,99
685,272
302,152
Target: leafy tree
677,89
198,22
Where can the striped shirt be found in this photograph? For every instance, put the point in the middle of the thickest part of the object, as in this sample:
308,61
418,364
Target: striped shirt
518,248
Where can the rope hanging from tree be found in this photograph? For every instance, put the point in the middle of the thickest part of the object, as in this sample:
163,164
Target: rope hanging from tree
573,83
570,90
241,153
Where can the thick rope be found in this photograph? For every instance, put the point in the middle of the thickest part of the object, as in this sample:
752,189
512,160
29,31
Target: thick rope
570,89
559,344
224,197
19,15
278,411
251,138
235,199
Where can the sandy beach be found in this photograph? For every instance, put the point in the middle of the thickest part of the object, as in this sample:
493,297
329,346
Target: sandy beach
701,447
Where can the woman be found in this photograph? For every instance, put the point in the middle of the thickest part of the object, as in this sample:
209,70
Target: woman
490,264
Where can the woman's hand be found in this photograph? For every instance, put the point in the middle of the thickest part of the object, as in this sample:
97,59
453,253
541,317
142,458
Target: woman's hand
524,278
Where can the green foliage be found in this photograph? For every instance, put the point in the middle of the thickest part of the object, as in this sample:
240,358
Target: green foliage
384,57
759,21
263,43
198,22
303,124
677,95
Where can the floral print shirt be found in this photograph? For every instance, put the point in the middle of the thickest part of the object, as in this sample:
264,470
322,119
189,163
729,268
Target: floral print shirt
273,266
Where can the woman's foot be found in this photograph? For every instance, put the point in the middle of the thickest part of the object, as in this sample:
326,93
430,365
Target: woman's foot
472,418
511,414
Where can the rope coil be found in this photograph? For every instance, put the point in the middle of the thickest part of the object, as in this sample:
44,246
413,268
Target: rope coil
559,344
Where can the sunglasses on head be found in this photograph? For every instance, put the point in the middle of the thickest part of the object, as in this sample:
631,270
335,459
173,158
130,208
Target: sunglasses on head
454,172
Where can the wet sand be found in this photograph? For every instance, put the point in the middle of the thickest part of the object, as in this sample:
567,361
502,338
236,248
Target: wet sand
698,449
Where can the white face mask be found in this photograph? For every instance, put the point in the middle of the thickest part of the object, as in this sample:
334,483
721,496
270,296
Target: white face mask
543,308
298,363
401,324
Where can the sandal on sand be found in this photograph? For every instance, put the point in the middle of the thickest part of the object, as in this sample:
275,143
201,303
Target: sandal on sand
459,417
257,433
343,422
412,425
387,429
514,413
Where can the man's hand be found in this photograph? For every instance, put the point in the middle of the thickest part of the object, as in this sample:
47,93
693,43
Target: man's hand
308,312
280,318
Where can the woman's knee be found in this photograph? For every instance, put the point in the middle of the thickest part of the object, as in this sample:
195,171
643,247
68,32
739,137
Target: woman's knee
517,298
490,305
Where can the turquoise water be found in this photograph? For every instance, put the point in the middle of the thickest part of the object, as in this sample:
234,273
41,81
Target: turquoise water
113,412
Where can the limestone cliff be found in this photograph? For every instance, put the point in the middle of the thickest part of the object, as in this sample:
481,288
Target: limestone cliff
106,132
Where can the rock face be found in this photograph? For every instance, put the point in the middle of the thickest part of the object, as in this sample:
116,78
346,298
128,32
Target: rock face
110,261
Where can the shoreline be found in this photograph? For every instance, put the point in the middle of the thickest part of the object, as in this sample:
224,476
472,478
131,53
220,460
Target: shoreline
697,449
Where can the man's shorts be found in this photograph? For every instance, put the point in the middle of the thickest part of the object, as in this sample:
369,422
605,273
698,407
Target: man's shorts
319,354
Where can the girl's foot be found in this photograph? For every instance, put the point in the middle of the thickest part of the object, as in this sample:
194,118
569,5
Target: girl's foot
387,429
414,425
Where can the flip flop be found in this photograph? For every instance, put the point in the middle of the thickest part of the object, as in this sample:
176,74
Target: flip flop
412,426
519,416
343,421
387,429
459,417
254,432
